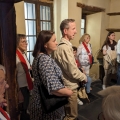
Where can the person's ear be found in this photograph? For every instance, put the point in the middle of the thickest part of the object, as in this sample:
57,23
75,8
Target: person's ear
65,31
45,45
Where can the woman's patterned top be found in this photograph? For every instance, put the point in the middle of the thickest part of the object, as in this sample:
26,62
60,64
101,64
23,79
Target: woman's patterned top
51,77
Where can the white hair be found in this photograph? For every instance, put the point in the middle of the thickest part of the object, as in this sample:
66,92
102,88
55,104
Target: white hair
2,68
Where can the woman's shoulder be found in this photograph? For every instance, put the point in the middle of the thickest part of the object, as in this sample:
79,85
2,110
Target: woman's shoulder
44,58
80,45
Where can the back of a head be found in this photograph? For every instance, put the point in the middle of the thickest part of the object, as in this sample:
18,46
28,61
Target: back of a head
65,25
43,37
111,107
2,68
20,36
74,48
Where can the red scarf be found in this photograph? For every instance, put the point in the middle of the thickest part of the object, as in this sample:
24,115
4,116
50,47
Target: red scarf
25,67
90,56
4,114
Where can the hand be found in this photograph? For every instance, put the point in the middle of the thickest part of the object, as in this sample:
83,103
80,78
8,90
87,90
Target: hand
84,81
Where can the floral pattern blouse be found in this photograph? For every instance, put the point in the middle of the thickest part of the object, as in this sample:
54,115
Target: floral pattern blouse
51,77
83,55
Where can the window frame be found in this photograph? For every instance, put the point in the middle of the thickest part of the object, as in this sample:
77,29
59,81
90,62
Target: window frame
38,19
37,8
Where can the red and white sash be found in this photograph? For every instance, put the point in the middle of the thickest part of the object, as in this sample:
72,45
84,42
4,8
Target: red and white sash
25,67
90,56
4,114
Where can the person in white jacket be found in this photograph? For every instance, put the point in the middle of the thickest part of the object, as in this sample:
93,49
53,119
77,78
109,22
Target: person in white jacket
109,58
118,61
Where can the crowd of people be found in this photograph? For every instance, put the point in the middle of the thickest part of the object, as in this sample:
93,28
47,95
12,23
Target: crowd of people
61,68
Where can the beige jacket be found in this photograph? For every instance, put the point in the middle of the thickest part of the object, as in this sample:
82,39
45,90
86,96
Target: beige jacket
65,59
110,61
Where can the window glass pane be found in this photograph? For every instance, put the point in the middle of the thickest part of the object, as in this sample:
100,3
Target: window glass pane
30,27
29,11
44,12
30,57
41,24
44,25
47,13
25,8
49,25
41,13
82,23
82,32
31,43
27,28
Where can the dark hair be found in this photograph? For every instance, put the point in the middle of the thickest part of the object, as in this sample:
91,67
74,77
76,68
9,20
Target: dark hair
107,41
20,36
74,48
65,25
42,39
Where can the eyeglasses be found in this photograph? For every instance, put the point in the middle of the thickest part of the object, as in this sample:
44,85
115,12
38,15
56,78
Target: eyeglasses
101,116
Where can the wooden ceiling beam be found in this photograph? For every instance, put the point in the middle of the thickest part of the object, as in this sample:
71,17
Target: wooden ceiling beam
90,8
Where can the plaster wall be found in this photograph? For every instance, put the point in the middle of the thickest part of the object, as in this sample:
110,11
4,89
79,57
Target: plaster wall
94,20
60,13
20,17
115,20
115,6
74,12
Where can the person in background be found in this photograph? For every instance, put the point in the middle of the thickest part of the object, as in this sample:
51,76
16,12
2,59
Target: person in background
50,75
23,73
109,58
65,59
3,102
118,62
84,54
88,83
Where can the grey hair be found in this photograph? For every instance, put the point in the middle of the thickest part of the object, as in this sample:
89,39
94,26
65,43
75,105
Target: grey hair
19,37
2,68
65,25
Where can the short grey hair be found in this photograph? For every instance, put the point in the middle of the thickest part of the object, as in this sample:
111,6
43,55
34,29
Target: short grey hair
19,37
2,68
65,25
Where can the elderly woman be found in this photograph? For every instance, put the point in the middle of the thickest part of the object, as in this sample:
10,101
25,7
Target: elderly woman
3,101
84,54
23,67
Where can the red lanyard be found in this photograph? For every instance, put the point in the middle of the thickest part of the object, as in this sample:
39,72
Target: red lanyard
4,114
25,67
90,56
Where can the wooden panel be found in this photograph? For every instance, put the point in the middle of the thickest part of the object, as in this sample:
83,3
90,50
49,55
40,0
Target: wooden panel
8,38
113,29
90,8
114,13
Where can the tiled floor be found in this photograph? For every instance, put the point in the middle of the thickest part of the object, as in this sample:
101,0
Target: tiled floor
90,111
